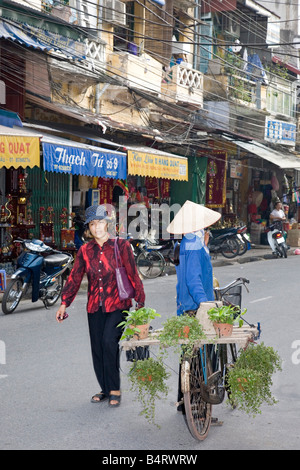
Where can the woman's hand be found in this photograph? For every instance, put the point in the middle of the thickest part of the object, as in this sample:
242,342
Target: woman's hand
60,313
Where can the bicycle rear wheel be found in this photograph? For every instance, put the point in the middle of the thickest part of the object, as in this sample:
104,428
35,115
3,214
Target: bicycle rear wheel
197,411
150,264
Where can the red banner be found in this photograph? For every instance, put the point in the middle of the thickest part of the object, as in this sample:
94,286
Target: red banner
106,186
216,180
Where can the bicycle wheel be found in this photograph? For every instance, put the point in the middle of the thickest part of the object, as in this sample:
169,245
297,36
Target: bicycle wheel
150,264
230,248
12,295
197,411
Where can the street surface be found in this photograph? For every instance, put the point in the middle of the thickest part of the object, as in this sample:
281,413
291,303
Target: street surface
47,379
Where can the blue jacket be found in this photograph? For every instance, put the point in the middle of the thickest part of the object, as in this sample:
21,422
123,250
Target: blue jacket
194,275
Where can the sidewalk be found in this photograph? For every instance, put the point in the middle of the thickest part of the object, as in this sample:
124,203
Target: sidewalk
256,253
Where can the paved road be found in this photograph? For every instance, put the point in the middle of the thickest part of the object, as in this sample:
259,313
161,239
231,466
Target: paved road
47,378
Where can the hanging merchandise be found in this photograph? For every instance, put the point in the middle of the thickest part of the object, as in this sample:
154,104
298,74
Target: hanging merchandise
274,182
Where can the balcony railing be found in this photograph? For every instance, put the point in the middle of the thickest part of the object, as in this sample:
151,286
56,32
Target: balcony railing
183,84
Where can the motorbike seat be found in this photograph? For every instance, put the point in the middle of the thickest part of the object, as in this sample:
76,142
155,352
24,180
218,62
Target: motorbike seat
56,259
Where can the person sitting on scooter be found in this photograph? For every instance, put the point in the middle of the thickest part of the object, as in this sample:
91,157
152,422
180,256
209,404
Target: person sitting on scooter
277,215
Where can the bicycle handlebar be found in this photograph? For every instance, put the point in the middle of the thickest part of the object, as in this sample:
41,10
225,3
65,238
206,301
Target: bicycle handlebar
238,281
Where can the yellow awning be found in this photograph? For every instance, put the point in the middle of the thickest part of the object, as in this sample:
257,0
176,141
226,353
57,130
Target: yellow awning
18,149
145,161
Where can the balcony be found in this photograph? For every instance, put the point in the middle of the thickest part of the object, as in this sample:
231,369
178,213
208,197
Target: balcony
183,85
140,72
236,88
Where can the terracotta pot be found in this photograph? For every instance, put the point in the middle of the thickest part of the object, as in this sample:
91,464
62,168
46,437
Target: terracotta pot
240,381
185,330
223,329
144,331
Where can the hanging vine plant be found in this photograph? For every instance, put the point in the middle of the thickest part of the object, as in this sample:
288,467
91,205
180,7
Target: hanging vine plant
149,381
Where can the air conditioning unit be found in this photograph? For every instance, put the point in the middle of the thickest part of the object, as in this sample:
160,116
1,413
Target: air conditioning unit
232,26
114,12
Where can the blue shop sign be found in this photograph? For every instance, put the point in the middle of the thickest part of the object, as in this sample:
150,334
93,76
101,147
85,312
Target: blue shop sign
92,161
280,132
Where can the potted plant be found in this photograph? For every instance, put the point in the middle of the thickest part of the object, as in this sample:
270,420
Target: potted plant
250,378
224,317
137,322
148,379
178,328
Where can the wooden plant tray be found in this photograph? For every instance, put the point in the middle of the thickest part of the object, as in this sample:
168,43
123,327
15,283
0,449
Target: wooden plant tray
241,336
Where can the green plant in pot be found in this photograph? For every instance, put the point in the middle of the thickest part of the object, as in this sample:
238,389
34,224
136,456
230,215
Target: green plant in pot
181,329
148,380
136,321
225,317
250,379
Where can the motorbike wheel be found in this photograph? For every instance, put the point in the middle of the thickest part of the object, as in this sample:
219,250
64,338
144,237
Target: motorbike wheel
243,245
282,251
12,295
150,264
54,292
230,248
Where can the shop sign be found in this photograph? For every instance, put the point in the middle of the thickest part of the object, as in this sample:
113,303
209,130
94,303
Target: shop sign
84,161
216,180
19,151
156,165
236,169
280,132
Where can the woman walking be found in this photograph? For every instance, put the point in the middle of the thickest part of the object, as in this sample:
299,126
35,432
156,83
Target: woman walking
104,307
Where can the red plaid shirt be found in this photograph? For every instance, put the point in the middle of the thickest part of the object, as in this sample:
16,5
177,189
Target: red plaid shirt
99,264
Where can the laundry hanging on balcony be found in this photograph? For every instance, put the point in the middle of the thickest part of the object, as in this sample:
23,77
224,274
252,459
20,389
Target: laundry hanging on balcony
255,69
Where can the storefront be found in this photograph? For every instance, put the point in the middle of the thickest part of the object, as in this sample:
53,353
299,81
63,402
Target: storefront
19,150
264,175
150,172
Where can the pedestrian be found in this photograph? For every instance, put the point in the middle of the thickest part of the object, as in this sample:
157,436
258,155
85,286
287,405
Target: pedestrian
97,260
277,215
194,270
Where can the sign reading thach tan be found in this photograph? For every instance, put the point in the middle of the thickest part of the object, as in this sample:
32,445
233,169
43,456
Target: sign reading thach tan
160,166
19,151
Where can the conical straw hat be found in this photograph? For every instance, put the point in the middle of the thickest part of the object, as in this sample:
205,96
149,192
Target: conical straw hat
192,217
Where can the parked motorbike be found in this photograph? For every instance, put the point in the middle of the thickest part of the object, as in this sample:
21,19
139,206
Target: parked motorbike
243,239
276,241
40,269
225,243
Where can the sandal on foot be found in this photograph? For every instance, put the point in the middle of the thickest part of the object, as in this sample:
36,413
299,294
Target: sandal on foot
116,398
99,397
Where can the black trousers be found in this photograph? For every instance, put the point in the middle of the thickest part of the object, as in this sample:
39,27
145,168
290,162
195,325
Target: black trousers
105,337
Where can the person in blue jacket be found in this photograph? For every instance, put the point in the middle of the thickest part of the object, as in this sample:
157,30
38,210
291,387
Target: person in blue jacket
194,268
194,273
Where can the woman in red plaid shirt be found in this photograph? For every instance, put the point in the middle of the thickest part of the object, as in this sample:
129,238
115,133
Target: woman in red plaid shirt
104,307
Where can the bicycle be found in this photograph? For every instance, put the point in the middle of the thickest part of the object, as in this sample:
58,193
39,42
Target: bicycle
202,377
150,262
